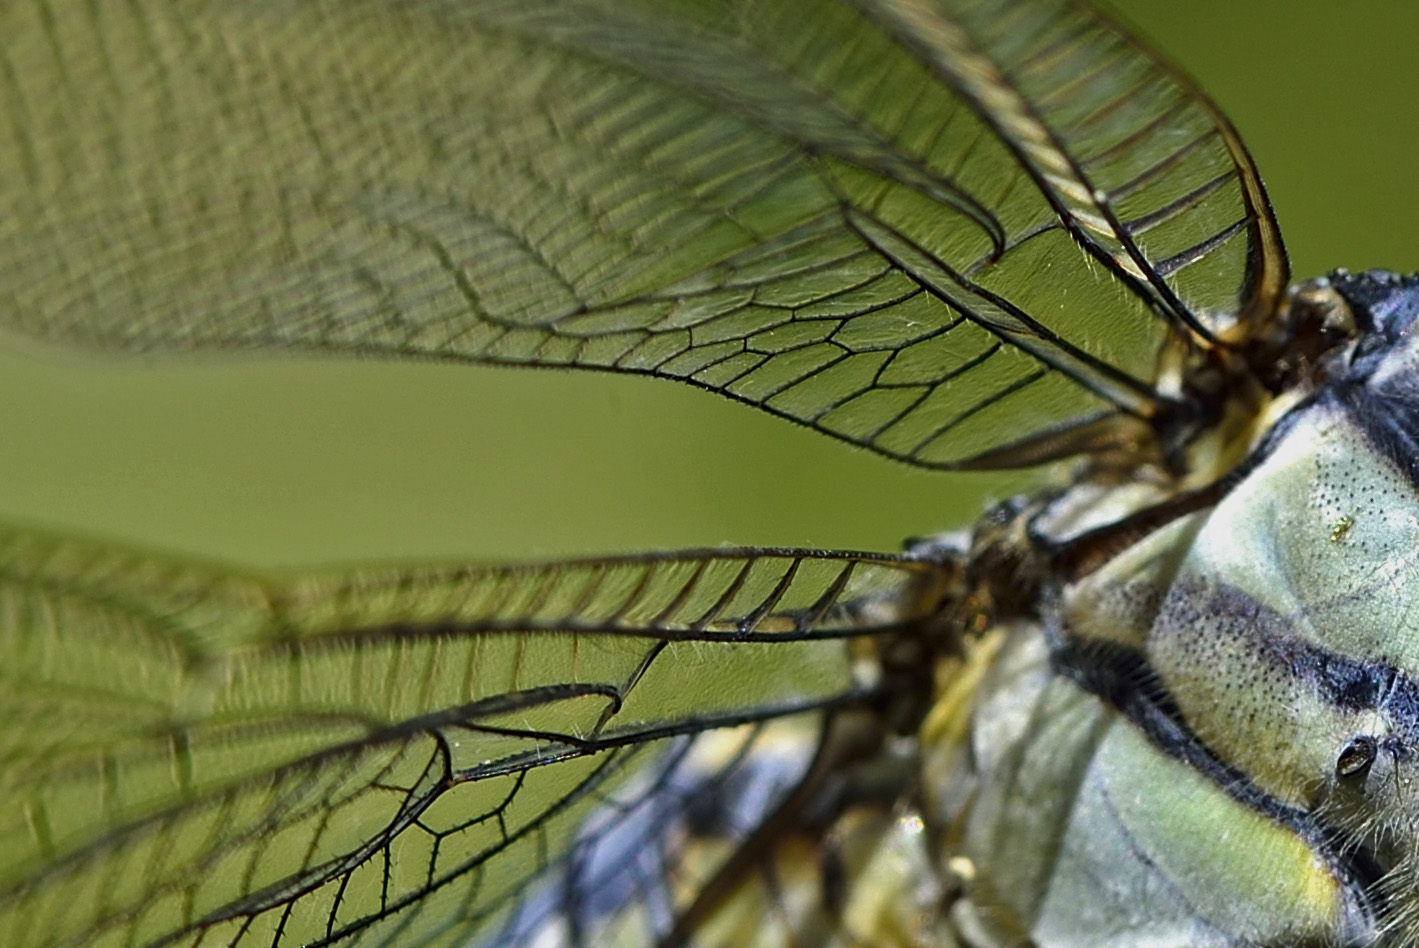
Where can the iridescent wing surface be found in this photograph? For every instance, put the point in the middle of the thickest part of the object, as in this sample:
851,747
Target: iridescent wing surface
957,234
943,231
391,757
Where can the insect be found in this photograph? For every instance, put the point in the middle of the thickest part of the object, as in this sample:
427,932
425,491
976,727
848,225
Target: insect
1003,738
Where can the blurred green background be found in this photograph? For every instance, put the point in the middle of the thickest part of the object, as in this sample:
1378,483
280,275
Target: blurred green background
279,462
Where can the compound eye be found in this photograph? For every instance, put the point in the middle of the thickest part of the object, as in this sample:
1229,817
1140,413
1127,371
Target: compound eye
1355,757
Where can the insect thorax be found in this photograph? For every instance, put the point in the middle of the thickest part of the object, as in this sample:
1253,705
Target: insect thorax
1211,738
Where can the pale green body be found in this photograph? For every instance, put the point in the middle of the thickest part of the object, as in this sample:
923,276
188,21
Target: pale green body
963,234
1084,832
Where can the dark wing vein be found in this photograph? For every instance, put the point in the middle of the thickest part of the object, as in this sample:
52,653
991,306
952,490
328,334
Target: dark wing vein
609,185
396,755
1015,77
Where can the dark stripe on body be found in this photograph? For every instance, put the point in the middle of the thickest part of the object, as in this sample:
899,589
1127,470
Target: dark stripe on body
1122,677
1385,305
1388,417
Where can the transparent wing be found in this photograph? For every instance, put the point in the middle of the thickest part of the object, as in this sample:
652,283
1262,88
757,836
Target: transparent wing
397,757
957,233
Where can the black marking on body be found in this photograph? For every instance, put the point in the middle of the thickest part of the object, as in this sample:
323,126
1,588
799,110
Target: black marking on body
1387,414
1379,388
1123,677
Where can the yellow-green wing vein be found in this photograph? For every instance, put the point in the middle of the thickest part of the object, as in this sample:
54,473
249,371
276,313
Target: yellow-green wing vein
199,757
939,231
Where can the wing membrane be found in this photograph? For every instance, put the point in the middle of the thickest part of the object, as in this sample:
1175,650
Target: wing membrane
942,231
198,757
1143,170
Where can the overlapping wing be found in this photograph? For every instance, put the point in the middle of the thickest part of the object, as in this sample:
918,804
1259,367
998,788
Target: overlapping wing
196,757
943,230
